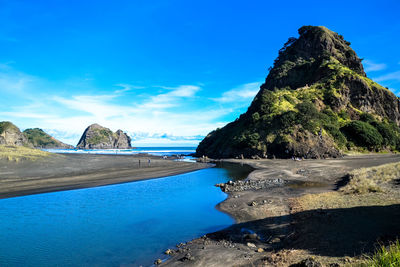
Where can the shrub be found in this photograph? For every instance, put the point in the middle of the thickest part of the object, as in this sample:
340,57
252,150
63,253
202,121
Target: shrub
389,132
363,134
288,119
308,116
366,117
336,134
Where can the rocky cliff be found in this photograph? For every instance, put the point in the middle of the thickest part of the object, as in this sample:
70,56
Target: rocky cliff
99,137
316,102
11,135
39,139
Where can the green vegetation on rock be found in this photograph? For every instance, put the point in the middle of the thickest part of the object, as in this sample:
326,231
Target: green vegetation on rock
316,102
6,125
98,137
38,138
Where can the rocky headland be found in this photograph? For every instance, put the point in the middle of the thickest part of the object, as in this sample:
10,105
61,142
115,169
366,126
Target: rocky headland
316,102
11,135
40,139
98,137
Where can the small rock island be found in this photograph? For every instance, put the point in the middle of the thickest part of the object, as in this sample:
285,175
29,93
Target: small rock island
98,137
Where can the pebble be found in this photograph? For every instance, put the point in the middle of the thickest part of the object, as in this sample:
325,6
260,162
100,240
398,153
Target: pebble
158,261
260,250
168,252
251,245
276,240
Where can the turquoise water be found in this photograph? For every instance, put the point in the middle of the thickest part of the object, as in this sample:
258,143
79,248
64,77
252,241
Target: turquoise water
127,224
157,151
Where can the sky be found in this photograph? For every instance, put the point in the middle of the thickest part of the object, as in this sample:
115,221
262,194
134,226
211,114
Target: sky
165,72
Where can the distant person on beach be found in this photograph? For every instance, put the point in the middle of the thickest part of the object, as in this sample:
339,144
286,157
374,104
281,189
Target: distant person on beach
149,162
139,163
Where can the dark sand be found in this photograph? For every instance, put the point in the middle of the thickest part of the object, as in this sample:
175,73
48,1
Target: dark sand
282,237
72,171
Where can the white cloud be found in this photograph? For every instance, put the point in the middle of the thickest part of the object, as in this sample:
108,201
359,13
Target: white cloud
372,66
239,94
127,87
165,118
395,76
170,99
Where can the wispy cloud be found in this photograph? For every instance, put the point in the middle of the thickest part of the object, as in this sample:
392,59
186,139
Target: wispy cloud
125,87
372,66
170,99
165,116
239,94
393,76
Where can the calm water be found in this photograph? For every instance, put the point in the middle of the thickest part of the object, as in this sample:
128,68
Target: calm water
126,224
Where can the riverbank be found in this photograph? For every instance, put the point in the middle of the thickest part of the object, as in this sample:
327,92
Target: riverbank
276,225
71,171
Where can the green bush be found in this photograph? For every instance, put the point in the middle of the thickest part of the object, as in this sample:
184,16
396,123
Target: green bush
362,134
288,119
366,117
336,134
390,133
308,116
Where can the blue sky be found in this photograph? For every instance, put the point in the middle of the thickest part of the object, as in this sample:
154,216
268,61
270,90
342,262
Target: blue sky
167,72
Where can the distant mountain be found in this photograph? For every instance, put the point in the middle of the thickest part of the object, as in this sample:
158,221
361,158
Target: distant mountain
99,137
316,102
11,135
39,139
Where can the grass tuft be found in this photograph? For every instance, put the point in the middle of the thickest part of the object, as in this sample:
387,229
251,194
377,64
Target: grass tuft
368,180
20,153
385,256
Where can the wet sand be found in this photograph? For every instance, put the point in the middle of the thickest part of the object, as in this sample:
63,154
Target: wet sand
72,171
269,233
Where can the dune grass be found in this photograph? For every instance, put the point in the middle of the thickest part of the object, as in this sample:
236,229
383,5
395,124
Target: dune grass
384,257
367,180
20,153
366,187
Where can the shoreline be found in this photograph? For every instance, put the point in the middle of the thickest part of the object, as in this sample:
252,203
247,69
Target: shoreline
75,171
263,214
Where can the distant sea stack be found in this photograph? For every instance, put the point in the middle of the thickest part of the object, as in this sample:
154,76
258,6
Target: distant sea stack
99,137
11,135
316,102
39,139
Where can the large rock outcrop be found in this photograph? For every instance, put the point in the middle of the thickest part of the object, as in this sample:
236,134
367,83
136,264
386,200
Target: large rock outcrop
316,102
99,137
39,139
11,135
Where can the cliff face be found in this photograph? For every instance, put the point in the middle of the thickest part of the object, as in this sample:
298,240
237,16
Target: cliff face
39,139
99,137
11,135
316,102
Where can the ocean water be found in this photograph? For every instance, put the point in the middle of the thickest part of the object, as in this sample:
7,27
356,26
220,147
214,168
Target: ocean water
129,224
157,151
